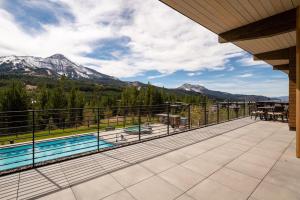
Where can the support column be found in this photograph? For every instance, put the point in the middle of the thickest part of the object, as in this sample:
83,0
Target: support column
298,83
292,91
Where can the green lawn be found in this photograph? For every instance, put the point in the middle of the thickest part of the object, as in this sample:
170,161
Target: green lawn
46,134
40,135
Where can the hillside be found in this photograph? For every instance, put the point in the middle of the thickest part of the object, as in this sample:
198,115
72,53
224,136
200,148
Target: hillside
36,71
53,67
221,95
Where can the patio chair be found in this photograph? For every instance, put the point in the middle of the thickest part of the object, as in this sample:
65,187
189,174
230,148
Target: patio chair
256,113
278,112
147,125
123,138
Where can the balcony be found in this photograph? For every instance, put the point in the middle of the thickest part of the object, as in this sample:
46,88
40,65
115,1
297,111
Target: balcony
34,138
240,159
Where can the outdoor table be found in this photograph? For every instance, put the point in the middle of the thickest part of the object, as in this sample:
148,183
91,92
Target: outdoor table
265,110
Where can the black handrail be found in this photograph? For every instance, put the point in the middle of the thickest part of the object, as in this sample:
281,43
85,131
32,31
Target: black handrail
50,133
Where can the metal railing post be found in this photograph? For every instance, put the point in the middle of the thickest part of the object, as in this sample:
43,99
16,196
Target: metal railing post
49,125
139,122
249,111
168,118
98,128
189,116
124,117
205,113
244,108
218,113
228,117
33,138
237,110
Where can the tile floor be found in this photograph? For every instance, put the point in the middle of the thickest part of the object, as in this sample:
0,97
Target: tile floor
242,159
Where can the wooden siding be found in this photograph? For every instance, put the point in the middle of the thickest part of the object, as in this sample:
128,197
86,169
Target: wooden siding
292,97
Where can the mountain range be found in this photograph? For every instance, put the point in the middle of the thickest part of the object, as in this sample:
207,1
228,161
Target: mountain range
53,66
222,95
58,65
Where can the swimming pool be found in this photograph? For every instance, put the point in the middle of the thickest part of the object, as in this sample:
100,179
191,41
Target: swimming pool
21,155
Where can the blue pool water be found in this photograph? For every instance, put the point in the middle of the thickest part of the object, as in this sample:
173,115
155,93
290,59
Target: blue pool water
135,129
19,156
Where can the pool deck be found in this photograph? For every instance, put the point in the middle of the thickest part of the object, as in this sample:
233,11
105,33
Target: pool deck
114,136
241,159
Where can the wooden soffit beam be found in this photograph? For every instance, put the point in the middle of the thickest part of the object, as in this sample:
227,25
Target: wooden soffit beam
267,27
283,67
280,54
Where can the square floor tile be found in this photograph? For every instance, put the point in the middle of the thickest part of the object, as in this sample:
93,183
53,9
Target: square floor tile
249,169
284,179
287,167
258,159
184,197
131,175
181,177
268,191
216,158
201,166
194,150
97,188
177,157
122,195
211,190
266,153
158,164
235,180
154,188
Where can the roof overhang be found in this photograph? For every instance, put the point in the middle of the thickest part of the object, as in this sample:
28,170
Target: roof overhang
266,29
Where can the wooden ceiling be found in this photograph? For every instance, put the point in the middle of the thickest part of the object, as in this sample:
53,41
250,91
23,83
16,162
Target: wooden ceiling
226,17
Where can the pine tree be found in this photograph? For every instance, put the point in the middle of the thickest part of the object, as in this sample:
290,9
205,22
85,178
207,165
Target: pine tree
43,98
96,96
42,105
59,101
15,98
80,104
72,107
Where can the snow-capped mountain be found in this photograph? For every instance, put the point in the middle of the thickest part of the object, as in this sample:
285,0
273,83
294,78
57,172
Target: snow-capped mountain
193,88
53,66
221,95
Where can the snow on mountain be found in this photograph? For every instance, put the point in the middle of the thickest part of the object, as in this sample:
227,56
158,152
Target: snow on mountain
222,95
54,66
194,88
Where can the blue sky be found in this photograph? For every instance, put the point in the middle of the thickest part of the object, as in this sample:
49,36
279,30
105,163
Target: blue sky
134,40
236,79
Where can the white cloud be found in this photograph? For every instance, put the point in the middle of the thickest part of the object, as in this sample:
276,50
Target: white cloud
191,74
248,61
157,76
194,73
230,68
240,86
245,75
160,38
